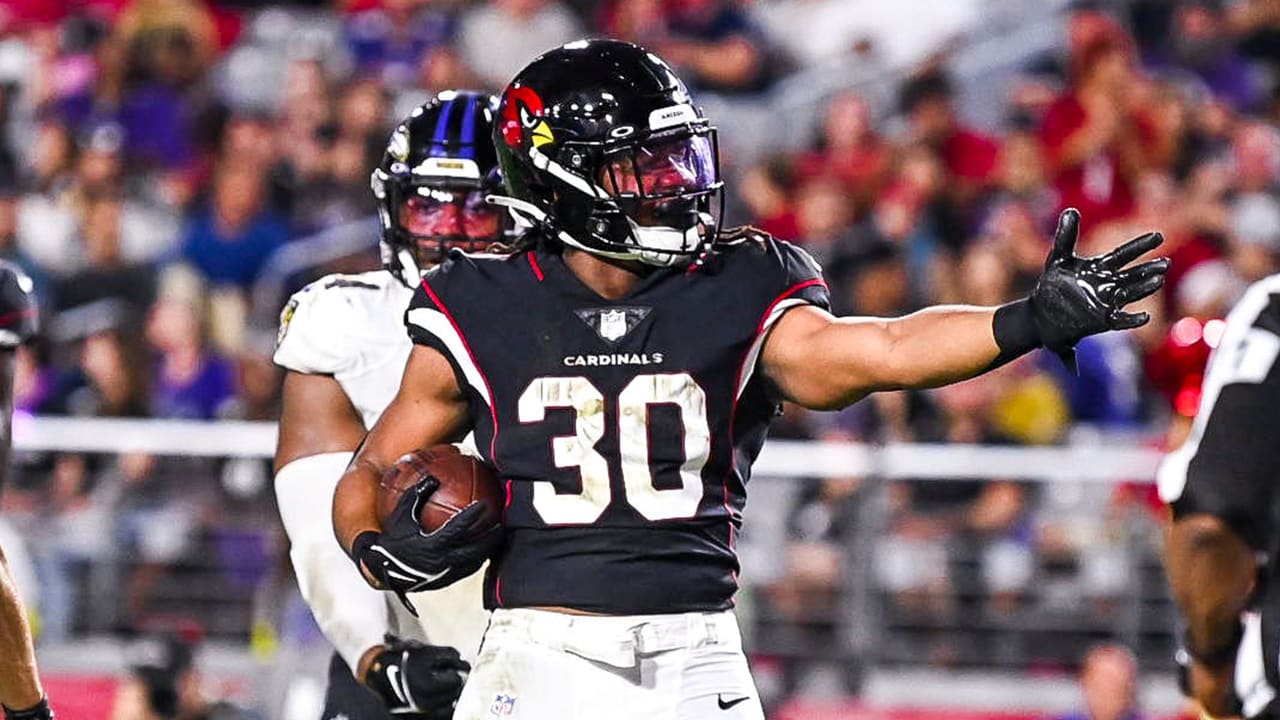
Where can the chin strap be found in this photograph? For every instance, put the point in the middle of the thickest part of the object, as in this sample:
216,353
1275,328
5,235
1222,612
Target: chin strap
399,261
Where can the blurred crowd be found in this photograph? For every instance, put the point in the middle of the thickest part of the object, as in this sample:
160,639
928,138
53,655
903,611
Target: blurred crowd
164,163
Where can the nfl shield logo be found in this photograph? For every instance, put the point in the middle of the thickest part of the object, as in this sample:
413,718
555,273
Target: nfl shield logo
502,705
613,324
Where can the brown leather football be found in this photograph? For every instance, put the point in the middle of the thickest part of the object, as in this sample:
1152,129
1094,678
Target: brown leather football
463,480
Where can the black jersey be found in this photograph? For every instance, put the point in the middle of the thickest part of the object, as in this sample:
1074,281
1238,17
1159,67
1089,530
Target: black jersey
1229,467
623,430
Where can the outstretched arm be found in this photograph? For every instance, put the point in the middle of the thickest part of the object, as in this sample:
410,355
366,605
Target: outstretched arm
824,362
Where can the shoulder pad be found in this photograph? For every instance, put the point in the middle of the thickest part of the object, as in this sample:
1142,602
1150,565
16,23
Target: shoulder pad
317,317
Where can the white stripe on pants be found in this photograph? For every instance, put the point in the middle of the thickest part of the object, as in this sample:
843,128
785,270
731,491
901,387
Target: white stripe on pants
538,664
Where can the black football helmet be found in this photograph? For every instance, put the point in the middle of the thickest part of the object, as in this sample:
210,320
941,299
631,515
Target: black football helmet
431,185
602,147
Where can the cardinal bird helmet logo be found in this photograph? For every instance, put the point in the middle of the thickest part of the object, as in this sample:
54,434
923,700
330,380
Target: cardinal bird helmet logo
522,111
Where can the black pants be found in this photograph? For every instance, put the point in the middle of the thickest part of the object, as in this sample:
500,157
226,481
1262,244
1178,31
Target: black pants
349,699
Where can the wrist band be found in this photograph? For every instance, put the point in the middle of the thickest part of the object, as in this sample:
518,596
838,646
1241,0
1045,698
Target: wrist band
362,543
1014,328
39,711
1224,655
359,547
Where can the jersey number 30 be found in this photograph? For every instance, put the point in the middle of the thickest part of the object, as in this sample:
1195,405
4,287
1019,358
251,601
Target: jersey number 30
578,450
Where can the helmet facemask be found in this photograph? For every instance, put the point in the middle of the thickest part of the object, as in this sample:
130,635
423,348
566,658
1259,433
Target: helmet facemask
655,200
431,186
424,217
668,190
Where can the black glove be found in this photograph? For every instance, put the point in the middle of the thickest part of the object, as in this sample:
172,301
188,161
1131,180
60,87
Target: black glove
1076,297
19,320
404,559
416,679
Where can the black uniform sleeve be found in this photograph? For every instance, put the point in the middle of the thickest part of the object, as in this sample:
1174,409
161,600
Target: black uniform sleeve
1229,466
800,275
430,321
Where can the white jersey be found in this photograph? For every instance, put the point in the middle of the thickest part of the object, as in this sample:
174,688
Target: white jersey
352,327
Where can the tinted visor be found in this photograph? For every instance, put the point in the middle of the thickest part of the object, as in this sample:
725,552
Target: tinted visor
451,215
664,166
666,180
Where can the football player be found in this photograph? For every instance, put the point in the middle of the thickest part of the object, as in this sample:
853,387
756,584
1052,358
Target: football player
1221,555
620,370
343,343
20,691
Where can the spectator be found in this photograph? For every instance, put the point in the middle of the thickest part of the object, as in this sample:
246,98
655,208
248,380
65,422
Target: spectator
140,89
959,548
968,156
1088,22
9,248
1202,44
823,217
1109,685
1255,153
1096,141
870,279
1013,230
497,38
229,240
766,190
849,149
716,45
1020,173
106,274
116,375
362,113
191,382
52,157
305,104
391,40
52,223
142,19
1255,247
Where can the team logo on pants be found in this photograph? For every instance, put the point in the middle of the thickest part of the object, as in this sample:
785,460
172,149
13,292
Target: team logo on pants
502,705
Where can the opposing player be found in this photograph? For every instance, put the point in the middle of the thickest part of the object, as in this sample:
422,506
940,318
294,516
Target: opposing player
620,370
343,343
1221,484
20,691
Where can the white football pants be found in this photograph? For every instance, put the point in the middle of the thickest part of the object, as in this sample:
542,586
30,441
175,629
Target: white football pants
542,665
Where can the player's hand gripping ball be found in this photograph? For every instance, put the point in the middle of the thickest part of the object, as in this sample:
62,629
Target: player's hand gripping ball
458,479
441,519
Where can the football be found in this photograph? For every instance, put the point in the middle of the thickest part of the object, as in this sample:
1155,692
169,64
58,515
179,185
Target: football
463,480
